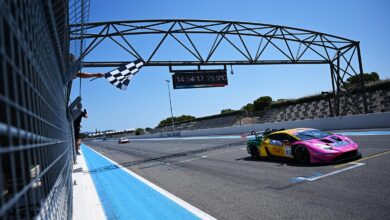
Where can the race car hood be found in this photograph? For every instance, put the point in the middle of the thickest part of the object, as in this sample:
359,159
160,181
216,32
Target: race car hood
337,143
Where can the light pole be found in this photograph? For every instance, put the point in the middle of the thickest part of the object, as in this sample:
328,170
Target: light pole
170,104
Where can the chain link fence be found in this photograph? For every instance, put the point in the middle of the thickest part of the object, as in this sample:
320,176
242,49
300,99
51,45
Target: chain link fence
36,131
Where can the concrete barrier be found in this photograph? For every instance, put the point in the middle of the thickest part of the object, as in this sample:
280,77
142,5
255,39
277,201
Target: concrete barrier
364,121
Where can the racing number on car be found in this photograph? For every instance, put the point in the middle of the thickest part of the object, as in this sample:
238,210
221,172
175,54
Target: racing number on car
287,151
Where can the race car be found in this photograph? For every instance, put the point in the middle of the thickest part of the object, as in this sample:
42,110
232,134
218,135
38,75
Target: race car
123,140
305,145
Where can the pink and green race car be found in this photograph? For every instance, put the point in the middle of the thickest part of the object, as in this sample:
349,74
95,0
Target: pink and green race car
305,145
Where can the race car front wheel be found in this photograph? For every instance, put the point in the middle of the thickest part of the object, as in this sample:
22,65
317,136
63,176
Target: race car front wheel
254,152
301,154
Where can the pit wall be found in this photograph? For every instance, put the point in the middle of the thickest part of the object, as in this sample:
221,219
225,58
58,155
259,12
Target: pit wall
363,121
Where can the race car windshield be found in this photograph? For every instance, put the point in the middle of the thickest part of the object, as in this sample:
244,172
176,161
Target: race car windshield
311,134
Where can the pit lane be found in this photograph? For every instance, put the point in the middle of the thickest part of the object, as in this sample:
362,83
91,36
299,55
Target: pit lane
218,176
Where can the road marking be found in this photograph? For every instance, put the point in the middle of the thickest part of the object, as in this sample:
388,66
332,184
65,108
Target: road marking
318,176
144,152
187,138
366,158
223,152
204,156
301,178
197,212
183,161
176,148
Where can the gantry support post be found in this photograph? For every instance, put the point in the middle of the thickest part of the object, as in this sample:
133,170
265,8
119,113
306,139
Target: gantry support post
332,109
362,83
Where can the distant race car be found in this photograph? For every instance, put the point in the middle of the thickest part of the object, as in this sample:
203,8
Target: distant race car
305,145
123,140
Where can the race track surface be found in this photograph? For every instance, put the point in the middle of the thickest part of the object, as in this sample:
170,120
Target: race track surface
218,177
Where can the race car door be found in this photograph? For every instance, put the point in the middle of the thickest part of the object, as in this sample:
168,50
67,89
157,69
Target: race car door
279,145
275,145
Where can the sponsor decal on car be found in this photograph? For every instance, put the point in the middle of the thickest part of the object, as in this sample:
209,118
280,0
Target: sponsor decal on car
276,143
340,143
277,150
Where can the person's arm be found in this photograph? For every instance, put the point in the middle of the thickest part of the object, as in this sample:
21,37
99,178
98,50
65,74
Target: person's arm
89,75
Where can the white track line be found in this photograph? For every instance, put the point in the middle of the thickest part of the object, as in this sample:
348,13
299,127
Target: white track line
331,173
167,194
205,156
184,161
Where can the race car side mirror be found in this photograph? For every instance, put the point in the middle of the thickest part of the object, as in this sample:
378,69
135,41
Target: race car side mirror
254,133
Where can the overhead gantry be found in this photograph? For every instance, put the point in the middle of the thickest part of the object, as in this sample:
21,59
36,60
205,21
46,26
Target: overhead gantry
185,42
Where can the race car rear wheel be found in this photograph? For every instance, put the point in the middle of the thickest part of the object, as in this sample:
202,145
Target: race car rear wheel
253,151
301,154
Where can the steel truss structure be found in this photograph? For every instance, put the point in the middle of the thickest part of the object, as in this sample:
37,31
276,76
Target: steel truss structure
241,43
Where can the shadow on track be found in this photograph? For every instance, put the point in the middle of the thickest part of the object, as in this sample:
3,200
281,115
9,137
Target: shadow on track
292,162
279,161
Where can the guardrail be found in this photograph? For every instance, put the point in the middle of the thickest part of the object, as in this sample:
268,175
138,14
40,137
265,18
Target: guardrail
363,121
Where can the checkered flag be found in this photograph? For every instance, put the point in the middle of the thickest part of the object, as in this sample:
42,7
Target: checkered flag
121,77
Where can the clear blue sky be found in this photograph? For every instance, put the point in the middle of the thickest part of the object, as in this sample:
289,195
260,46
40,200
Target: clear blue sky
145,102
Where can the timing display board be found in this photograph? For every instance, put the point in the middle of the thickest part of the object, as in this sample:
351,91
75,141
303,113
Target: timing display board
199,79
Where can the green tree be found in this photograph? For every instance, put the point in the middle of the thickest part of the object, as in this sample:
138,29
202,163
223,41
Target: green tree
83,135
223,111
139,131
183,118
262,103
248,107
368,77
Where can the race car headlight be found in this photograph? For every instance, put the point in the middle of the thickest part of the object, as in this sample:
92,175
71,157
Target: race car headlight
323,146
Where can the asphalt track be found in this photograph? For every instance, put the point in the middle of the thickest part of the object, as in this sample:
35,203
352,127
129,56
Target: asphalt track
218,176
